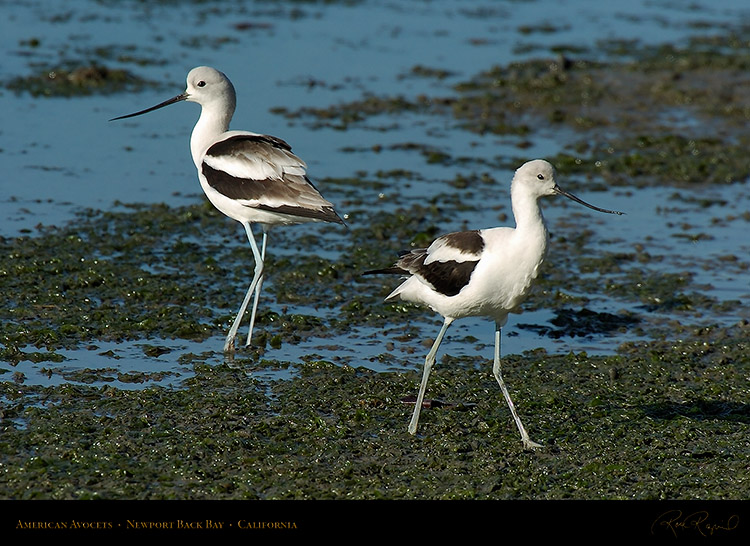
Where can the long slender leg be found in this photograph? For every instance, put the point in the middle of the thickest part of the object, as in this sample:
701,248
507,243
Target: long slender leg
527,443
257,289
428,362
229,343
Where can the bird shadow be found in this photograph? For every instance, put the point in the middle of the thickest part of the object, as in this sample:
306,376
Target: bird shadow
582,323
700,410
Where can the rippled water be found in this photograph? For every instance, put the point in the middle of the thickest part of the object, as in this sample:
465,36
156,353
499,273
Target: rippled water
61,154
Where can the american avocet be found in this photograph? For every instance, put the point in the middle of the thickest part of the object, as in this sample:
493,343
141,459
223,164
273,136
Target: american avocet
485,273
252,178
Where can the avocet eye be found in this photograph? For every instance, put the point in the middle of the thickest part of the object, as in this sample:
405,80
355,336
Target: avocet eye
201,84
540,176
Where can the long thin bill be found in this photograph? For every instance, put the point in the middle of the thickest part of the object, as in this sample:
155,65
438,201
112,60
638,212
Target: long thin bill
561,191
178,98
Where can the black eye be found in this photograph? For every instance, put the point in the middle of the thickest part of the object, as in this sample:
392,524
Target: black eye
201,84
540,176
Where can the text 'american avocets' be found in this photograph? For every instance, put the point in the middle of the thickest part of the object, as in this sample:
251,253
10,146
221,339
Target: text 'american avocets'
252,178
485,273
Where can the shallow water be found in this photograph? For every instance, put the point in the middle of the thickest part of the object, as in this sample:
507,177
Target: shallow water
64,154
61,154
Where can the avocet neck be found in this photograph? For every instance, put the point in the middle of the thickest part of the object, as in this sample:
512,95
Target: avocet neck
214,120
526,209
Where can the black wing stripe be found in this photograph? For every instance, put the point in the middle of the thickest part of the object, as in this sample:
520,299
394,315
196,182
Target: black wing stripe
467,241
247,188
227,146
253,190
448,277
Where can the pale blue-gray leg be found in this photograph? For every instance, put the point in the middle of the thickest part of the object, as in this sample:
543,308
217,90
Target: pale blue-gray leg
229,343
527,443
257,289
428,362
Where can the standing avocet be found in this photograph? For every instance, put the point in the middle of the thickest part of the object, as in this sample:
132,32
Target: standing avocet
484,273
252,178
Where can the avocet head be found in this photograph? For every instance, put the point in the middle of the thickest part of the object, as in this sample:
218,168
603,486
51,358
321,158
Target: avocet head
538,177
206,86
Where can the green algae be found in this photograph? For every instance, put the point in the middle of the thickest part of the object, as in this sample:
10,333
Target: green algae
157,272
636,425
102,280
643,432
76,79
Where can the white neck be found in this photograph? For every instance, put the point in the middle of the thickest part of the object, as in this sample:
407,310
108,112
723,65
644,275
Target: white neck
526,210
531,230
214,121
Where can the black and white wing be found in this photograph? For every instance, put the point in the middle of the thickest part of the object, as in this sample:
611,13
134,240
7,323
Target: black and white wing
446,265
260,171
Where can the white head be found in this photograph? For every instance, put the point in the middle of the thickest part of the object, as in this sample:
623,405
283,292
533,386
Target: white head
206,86
537,178
215,93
